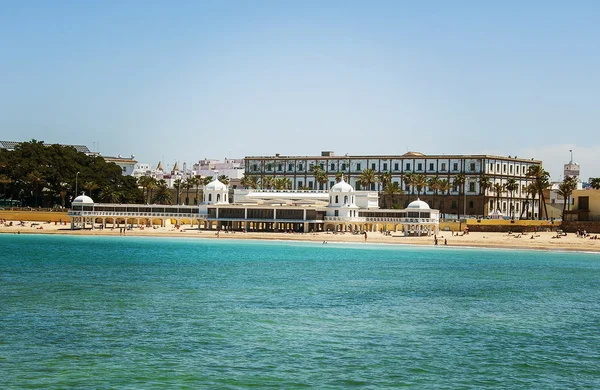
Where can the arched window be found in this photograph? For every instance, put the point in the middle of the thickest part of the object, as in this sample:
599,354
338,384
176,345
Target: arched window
345,199
337,199
218,197
210,197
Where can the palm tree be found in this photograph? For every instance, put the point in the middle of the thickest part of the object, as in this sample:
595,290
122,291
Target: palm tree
459,182
142,181
90,187
542,180
419,181
188,186
595,183
385,179
206,180
484,185
434,185
444,189
565,189
177,185
320,176
282,183
224,179
150,186
194,181
163,195
498,188
391,189
245,182
511,185
409,180
267,183
254,182
367,177
338,177
109,195
529,190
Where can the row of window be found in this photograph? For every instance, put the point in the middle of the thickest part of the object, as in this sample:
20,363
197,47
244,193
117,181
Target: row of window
343,167
494,167
504,166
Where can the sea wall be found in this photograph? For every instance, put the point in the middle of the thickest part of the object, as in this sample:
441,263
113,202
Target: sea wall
588,226
495,225
38,216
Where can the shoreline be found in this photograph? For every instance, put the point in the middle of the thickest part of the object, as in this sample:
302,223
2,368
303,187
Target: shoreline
545,241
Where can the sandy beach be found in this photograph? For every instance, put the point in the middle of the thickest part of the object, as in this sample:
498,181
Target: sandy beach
537,241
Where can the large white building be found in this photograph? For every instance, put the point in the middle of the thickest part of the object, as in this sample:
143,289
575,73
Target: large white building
341,209
471,199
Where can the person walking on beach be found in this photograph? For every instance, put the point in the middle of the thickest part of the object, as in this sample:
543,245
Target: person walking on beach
365,236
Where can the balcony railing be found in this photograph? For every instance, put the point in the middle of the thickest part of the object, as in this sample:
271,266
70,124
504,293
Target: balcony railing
127,214
346,219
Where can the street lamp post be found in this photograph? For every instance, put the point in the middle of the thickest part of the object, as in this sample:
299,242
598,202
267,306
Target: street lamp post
76,175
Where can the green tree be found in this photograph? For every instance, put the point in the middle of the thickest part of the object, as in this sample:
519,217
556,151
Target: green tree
409,180
4,179
195,181
565,189
188,185
177,184
35,179
320,176
498,188
109,195
206,180
528,190
595,183
385,179
224,179
282,183
391,190
41,175
267,182
90,187
459,183
511,185
542,181
484,185
434,185
445,190
419,181
163,194
252,182
143,184
367,177
150,186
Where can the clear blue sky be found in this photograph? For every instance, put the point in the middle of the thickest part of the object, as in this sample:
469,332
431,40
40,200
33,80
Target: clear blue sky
185,80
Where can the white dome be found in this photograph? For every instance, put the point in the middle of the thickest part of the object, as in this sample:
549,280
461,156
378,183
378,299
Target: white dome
215,185
342,186
418,204
83,199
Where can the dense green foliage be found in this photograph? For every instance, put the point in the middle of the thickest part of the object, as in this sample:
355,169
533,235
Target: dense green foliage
45,176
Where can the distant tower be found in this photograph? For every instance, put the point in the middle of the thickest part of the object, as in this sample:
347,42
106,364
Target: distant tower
572,169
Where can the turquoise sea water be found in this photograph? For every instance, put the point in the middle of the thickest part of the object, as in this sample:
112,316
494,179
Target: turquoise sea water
128,312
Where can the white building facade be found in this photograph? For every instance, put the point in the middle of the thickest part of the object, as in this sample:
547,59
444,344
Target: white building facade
470,199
